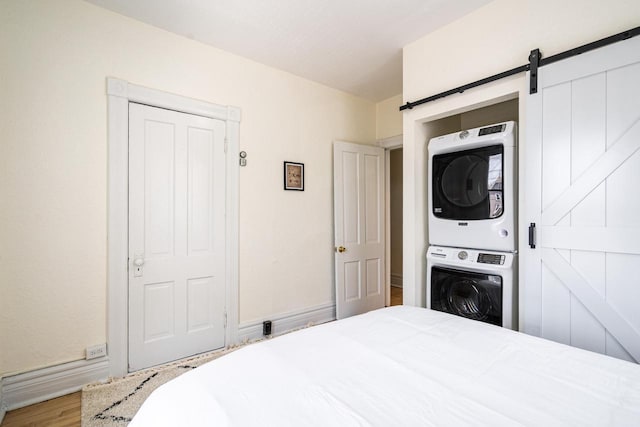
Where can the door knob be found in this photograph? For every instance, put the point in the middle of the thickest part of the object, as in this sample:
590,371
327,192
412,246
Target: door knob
138,262
341,249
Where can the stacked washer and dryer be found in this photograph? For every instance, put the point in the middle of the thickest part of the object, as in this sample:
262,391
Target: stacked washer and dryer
471,260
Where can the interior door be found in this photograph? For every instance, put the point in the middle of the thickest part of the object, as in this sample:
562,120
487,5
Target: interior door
176,235
579,283
358,179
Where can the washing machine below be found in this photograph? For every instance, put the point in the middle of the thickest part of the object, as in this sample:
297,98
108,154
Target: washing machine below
476,284
472,188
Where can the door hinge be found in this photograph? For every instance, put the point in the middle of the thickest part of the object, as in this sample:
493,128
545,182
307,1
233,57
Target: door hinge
226,144
532,235
225,319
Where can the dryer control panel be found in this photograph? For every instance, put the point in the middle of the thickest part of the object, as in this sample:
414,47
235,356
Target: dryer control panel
490,258
492,129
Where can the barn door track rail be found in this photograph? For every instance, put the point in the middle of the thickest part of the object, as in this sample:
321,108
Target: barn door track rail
535,61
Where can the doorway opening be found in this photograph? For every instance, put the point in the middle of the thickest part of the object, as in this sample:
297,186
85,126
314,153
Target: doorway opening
395,225
466,118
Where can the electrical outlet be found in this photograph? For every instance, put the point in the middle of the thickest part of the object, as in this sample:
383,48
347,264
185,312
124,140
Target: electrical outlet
96,351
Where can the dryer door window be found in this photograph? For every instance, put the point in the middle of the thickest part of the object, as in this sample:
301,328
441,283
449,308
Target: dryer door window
468,185
467,294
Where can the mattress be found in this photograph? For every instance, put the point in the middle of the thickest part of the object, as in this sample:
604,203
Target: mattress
401,366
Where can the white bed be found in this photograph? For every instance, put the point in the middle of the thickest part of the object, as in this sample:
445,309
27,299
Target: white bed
401,366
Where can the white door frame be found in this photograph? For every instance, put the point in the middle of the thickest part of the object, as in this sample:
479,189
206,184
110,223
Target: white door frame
119,94
391,143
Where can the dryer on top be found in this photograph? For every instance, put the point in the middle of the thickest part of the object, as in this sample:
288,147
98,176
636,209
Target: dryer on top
472,188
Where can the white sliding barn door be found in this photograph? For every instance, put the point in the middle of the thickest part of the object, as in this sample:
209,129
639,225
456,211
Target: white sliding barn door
358,182
176,235
581,284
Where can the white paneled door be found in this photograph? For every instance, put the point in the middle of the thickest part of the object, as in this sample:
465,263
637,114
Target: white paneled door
358,179
580,285
176,235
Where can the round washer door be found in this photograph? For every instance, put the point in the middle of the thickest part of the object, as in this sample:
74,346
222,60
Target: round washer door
467,298
467,294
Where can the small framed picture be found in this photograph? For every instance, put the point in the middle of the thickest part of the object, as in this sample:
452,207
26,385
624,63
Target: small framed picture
294,176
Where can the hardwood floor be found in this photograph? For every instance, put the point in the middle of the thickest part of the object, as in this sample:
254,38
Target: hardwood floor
396,296
60,412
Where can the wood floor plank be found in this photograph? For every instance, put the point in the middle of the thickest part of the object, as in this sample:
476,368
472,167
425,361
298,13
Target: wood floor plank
396,296
60,412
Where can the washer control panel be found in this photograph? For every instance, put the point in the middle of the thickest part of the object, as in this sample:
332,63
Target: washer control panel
470,257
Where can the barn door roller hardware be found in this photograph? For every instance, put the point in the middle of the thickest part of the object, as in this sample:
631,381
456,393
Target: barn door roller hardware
535,61
532,235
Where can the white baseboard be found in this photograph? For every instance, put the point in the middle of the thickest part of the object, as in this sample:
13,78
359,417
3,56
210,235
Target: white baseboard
286,322
396,280
37,386
3,407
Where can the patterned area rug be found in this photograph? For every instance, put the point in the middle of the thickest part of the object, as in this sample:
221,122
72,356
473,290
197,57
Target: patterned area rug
114,403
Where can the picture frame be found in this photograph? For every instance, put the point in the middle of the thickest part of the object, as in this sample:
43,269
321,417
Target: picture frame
293,176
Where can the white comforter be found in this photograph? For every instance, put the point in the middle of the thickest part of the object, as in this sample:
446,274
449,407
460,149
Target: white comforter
401,366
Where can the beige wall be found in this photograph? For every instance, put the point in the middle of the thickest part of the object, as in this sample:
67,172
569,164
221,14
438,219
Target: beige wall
491,114
500,35
501,112
54,58
389,117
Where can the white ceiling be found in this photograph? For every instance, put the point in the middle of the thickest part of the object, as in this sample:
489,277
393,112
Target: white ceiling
351,45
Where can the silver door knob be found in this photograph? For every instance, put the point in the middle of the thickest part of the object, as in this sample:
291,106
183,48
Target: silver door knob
138,262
